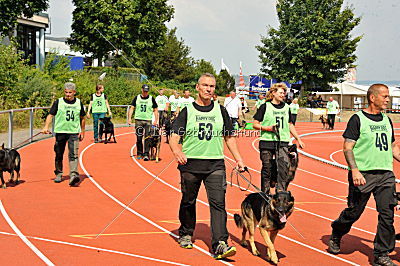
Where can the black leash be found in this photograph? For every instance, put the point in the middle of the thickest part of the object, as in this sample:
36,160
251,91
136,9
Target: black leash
235,171
26,141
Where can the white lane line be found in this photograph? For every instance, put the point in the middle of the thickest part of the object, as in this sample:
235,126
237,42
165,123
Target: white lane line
230,214
333,153
23,238
98,249
128,208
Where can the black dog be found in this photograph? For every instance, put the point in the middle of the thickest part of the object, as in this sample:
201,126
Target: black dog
270,214
154,142
293,163
168,121
106,127
10,161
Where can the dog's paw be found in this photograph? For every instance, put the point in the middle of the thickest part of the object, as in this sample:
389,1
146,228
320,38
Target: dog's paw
4,186
244,243
11,181
256,253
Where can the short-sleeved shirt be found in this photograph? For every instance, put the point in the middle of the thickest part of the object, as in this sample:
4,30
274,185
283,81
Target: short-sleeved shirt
185,101
54,107
233,106
202,166
144,98
259,116
93,95
162,101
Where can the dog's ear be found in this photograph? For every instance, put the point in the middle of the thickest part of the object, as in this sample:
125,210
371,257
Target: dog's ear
291,196
2,146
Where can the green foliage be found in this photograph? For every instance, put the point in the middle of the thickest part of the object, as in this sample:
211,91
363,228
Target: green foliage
10,10
225,83
313,42
202,66
133,26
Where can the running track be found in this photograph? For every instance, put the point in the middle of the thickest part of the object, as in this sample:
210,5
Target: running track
46,223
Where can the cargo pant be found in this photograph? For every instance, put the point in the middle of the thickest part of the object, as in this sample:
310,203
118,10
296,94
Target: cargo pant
273,173
142,128
73,149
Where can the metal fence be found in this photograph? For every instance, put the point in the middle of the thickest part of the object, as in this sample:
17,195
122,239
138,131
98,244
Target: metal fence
14,137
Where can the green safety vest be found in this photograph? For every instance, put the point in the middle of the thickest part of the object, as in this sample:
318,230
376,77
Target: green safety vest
203,138
274,116
332,107
174,103
99,104
67,119
373,149
259,103
294,108
144,108
161,102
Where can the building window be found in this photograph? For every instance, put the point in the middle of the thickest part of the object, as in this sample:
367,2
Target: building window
26,37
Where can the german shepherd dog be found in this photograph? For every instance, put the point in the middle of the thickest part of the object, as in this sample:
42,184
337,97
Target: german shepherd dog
154,142
106,127
324,122
167,123
10,161
270,214
293,163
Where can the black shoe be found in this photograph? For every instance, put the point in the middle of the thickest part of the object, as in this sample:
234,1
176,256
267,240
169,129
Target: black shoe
75,180
146,158
383,260
334,244
397,236
224,251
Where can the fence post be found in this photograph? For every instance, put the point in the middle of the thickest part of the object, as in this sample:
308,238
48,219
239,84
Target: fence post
31,125
127,112
10,129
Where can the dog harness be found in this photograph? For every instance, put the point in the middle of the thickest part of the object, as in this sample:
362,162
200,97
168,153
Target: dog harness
373,149
67,119
99,104
203,138
144,110
279,117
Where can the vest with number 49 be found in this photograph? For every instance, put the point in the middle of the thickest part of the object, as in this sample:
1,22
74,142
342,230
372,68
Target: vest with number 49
68,119
143,109
279,117
99,104
373,149
203,138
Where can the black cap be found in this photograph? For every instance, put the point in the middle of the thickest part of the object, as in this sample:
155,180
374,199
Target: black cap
145,87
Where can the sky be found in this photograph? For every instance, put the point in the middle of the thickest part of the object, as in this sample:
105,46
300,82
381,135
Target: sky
230,29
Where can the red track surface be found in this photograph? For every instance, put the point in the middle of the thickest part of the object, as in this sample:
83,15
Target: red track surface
74,216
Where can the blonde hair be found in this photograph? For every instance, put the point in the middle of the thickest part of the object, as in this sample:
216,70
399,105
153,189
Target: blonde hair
274,88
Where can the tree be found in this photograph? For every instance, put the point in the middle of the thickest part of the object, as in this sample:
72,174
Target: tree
225,83
11,10
133,26
202,66
172,61
312,43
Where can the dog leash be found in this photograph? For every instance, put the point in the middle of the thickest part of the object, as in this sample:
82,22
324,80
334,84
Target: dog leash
26,141
237,178
263,195
134,199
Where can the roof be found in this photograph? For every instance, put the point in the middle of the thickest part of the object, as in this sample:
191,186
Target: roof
347,88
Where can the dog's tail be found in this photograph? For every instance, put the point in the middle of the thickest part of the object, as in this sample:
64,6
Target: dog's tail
238,220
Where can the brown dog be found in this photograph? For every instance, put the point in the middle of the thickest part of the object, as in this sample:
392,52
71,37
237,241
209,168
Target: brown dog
10,161
324,122
270,214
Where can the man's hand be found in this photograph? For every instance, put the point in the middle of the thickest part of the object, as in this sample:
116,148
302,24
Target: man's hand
155,123
358,178
180,157
45,130
88,116
109,114
274,128
81,136
301,143
241,166
129,121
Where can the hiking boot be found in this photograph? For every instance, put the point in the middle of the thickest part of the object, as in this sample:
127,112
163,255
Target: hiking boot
224,251
334,244
397,236
383,260
96,140
58,178
74,180
146,158
185,242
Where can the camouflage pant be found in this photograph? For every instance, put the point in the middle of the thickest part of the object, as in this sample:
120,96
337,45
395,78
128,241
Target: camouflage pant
270,174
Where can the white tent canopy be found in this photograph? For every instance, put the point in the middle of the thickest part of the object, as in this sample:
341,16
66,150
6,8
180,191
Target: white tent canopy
347,88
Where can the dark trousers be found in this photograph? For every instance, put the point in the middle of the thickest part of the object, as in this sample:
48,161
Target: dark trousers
331,120
73,148
270,174
96,117
215,184
293,118
161,118
142,128
384,241
235,123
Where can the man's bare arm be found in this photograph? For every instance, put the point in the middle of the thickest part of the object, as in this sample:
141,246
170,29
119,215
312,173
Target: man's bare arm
349,154
396,151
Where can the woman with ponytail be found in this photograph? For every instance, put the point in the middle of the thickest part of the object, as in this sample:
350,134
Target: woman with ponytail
275,125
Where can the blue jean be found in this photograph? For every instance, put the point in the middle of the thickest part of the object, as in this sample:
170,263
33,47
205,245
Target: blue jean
96,117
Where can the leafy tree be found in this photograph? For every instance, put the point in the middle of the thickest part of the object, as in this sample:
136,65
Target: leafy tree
202,66
11,10
170,61
312,43
133,26
225,83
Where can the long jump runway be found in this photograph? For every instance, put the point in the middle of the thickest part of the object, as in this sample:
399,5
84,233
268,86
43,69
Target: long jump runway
42,222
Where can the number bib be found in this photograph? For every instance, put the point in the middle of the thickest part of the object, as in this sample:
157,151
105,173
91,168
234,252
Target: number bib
203,138
99,104
373,149
143,109
279,117
67,119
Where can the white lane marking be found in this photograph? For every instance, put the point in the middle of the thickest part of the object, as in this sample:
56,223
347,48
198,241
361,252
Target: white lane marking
129,209
230,214
333,153
98,249
23,238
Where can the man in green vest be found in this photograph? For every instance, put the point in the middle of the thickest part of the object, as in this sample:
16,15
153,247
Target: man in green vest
294,109
99,106
204,126
260,101
69,127
332,107
369,148
145,107
162,105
